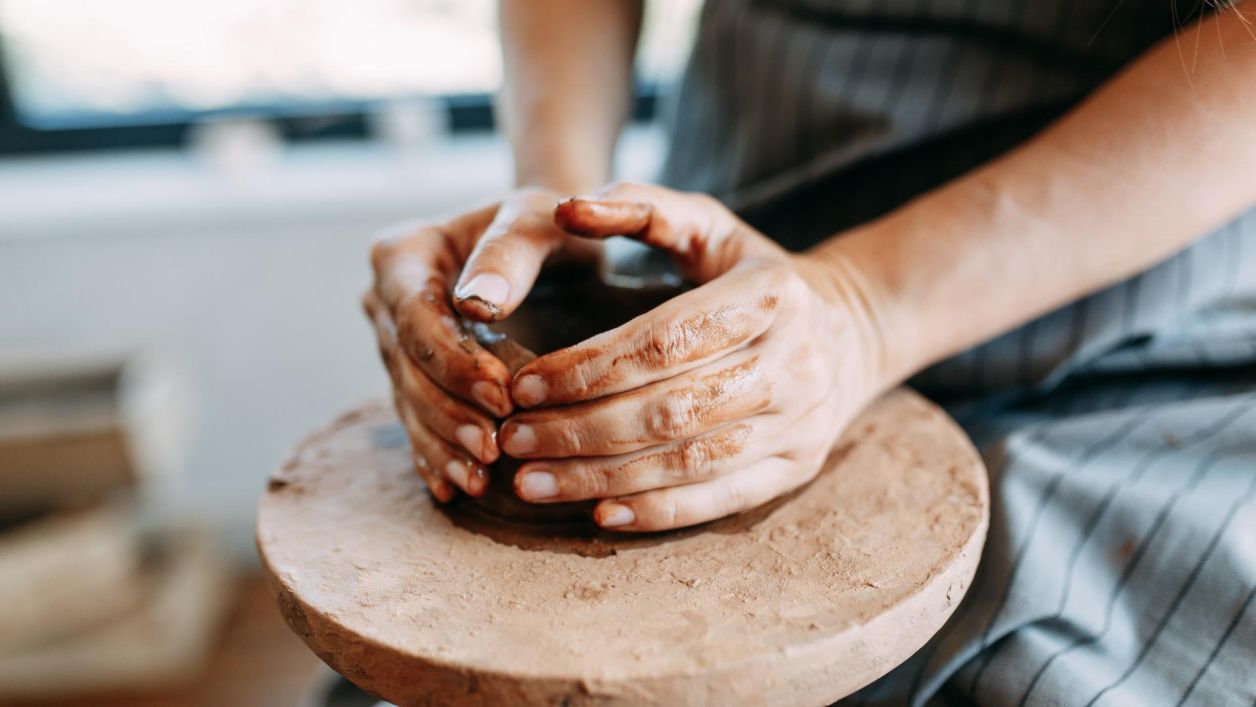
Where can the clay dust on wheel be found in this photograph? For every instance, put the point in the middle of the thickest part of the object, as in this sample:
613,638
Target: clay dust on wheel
801,602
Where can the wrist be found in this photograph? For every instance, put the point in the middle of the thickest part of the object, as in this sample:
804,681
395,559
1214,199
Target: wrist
849,279
563,182
563,167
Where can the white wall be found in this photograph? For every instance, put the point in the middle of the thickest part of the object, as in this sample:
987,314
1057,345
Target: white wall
249,279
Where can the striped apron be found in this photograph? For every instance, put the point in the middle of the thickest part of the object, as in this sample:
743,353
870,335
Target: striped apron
1120,431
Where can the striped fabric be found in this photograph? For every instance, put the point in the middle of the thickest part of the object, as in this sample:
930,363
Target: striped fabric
1120,431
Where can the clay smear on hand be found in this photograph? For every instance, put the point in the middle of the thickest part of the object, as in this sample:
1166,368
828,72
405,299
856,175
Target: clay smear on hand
557,314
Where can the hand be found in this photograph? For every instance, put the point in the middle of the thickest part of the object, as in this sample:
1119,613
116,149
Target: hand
717,401
446,387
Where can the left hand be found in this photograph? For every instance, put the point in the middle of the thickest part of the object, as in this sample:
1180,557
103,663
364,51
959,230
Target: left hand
719,400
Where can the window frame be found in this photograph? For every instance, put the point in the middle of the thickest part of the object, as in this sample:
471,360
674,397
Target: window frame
464,113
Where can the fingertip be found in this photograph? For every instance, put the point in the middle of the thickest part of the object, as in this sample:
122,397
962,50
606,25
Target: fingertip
569,215
478,483
536,485
529,390
478,442
483,296
441,490
592,217
518,440
609,514
493,397
468,476
478,310
491,451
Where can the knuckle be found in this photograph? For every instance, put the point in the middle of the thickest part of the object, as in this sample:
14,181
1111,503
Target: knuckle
670,417
595,481
695,459
666,512
810,365
664,345
734,497
570,439
412,345
580,379
786,280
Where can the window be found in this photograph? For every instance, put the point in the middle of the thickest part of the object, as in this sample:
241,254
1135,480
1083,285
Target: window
75,65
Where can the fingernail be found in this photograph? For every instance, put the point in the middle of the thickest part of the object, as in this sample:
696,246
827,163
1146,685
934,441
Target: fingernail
530,390
489,287
537,485
521,440
613,515
491,397
457,472
478,482
442,490
471,438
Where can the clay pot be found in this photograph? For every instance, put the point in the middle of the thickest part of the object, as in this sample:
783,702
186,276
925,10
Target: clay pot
495,601
559,312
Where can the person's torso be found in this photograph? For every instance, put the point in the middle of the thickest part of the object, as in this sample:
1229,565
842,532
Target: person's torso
808,117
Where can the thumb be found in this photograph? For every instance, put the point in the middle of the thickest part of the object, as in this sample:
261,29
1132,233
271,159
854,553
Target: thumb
505,261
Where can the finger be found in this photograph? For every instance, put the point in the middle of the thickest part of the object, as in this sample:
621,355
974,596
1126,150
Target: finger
441,489
406,255
679,335
681,506
413,270
454,421
507,257
704,237
687,461
726,390
433,338
416,294
684,224
438,461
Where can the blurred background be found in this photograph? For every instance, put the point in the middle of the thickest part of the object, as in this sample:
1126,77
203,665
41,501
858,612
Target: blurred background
187,192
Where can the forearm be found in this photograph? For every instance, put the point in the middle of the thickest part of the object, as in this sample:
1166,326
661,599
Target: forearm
1151,161
567,87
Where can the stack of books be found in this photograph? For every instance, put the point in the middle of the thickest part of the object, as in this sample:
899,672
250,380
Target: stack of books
94,597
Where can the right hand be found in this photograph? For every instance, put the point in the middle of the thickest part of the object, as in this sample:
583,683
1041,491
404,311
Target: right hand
447,388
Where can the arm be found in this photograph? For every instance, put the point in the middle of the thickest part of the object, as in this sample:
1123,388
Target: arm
1154,159
568,87
566,92
734,392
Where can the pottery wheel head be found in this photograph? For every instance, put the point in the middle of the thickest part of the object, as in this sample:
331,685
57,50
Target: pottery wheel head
800,602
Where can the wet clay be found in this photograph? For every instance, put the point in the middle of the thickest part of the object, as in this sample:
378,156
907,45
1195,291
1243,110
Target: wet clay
557,313
801,602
